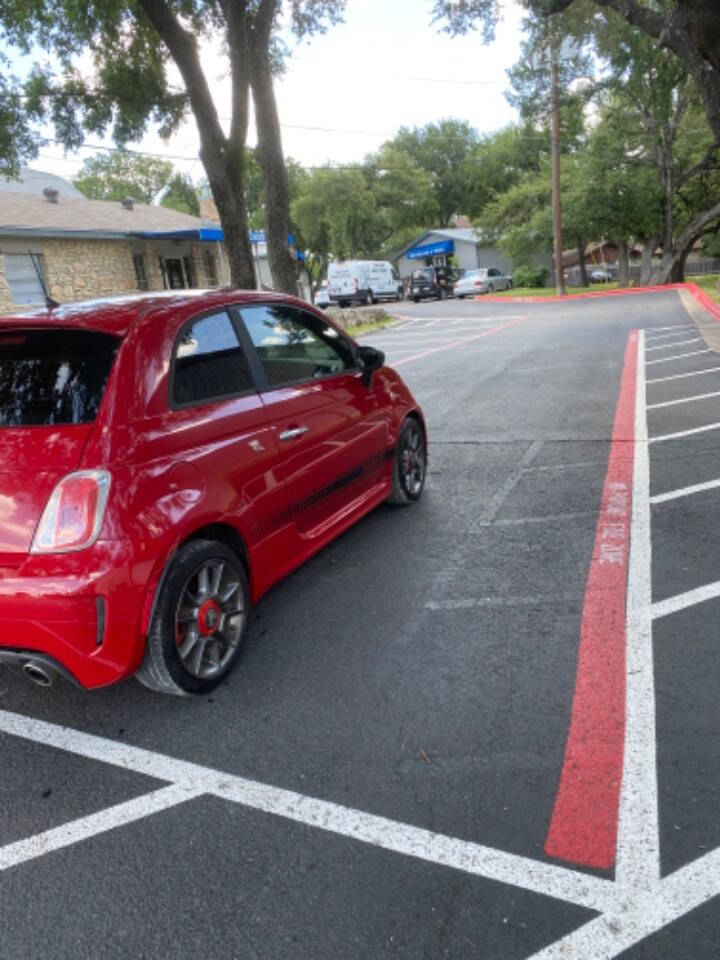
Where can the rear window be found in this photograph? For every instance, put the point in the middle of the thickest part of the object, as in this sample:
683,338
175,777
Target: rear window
422,274
52,377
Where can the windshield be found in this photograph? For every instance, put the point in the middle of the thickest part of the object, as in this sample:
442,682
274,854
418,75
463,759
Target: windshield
52,377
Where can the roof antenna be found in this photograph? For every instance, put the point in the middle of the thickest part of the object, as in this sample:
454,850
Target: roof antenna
49,302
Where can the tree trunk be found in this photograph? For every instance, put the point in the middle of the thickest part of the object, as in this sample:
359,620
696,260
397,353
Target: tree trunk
623,264
272,161
221,157
673,264
646,267
584,282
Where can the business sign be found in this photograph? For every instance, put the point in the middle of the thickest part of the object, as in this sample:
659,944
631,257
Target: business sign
431,249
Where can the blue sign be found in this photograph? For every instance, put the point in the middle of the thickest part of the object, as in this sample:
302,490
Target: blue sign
258,236
431,249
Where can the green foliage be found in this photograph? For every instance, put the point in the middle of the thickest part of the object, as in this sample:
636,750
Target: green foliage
181,195
445,151
16,141
527,276
112,176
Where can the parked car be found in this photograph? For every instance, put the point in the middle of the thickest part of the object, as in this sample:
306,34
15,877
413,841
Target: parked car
600,276
363,281
483,280
322,297
435,282
165,459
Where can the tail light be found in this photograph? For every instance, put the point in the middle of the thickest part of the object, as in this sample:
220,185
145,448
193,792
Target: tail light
478,283
74,513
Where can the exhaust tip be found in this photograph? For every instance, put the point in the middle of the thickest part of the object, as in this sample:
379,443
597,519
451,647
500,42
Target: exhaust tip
38,674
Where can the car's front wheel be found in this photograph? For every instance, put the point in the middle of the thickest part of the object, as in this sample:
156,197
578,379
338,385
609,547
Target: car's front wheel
409,464
199,622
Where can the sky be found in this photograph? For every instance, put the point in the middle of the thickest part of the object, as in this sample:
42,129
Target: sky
346,92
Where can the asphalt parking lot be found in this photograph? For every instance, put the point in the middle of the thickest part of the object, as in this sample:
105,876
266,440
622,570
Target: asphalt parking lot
483,727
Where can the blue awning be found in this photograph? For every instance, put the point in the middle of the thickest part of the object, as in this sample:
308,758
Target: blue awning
206,234
431,249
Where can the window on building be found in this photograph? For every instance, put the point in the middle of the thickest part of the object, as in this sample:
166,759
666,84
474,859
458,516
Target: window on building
140,271
210,268
209,362
21,275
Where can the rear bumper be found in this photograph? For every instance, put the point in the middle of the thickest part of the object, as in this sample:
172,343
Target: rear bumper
82,611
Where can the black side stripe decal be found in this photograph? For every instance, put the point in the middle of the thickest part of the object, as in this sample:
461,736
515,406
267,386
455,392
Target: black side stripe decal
283,517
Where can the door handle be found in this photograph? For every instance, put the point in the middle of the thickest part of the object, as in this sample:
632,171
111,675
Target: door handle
292,434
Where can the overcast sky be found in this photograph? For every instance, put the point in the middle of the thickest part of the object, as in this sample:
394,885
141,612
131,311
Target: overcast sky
385,67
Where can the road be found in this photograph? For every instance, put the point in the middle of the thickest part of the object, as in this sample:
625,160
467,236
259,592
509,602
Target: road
482,727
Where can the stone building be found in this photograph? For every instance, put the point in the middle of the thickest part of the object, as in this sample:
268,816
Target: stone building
87,248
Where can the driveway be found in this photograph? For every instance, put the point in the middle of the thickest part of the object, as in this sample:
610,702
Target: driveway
483,727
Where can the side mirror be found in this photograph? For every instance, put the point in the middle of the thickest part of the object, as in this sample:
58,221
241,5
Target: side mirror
370,360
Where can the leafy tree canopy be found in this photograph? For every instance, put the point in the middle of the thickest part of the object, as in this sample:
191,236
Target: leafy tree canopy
122,173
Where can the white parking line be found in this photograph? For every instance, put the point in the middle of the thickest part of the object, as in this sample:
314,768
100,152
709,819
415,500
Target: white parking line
685,433
436,848
21,851
668,346
471,603
672,403
682,601
685,491
680,376
677,326
638,842
678,356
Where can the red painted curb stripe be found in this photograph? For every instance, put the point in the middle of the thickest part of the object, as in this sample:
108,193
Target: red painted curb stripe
702,298
583,829
456,343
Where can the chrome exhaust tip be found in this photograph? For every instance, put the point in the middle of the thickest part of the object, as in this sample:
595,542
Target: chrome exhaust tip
39,674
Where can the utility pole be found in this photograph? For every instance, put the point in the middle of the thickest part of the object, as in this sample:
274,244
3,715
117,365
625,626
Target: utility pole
557,208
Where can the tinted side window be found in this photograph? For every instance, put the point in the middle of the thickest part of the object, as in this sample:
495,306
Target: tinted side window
294,346
209,362
51,377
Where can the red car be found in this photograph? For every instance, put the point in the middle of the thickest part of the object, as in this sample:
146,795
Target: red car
165,459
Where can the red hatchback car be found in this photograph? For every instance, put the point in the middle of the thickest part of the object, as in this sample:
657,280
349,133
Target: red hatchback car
165,459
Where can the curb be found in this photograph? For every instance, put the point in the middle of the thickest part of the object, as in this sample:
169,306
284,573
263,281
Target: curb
704,299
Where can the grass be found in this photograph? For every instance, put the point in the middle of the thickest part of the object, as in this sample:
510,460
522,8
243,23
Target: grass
551,291
708,283
361,328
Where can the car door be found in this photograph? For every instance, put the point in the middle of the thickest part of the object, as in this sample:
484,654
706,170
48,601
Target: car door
331,428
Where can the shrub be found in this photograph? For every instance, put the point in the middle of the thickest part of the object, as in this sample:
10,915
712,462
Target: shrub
527,276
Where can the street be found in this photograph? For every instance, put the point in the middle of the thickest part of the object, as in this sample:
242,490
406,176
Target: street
482,727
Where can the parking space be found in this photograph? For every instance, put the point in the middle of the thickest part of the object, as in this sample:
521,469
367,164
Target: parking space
426,711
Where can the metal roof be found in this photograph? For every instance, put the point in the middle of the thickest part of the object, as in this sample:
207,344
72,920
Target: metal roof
35,181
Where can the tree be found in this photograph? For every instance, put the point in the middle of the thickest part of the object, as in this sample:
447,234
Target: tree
443,150
135,46
337,215
181,195
689,28
119,174
16,141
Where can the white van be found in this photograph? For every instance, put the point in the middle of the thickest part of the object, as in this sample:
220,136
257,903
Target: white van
363,281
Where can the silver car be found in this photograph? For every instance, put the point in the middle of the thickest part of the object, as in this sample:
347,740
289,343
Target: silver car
483,280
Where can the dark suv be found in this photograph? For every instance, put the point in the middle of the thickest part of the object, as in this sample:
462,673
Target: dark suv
436,282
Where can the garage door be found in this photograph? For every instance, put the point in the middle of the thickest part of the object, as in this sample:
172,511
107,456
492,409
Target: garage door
22,278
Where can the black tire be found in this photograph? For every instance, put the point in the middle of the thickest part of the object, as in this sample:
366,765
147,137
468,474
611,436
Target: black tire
416,299
409,464
369,299
491,288
509,286
460,296
163,668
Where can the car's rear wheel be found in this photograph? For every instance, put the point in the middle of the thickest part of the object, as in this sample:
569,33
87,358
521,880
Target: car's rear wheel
509,286
409,464
491,288
199,622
